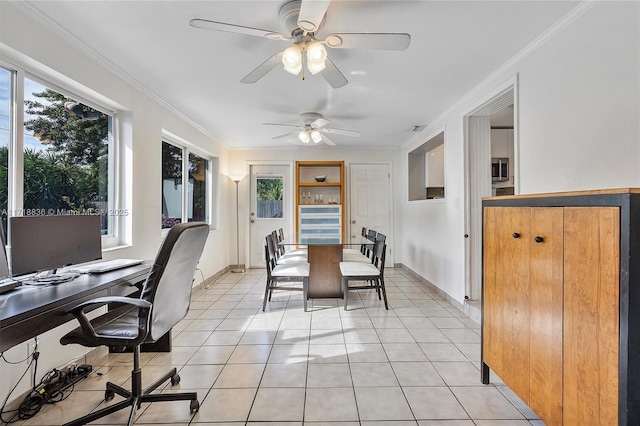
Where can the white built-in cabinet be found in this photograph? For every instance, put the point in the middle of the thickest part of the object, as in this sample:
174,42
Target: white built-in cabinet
319,213
502,143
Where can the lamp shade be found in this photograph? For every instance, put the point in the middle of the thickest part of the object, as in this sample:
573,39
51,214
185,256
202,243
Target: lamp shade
304,136
292,59
316,136
316,57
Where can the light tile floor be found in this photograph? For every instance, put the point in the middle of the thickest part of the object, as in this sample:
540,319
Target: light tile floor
415,364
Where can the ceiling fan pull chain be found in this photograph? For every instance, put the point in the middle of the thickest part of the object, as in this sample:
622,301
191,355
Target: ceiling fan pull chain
304,59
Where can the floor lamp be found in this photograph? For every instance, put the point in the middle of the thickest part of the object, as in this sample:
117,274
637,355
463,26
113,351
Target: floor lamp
238,268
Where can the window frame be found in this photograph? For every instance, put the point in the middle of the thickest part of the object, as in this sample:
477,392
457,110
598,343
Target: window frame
211,177
71,89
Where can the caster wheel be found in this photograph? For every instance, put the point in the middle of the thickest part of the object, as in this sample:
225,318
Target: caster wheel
109,394
195,406
175,379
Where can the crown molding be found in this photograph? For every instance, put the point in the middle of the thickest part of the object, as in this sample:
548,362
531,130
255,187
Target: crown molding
468,100
120,73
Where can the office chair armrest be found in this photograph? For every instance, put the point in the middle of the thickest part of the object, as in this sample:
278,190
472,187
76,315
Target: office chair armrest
139,303
85,323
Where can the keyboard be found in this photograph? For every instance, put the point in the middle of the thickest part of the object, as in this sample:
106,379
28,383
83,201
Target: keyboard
8,285
106,266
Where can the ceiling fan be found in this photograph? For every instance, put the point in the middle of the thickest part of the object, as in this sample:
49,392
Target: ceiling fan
302,19
313,130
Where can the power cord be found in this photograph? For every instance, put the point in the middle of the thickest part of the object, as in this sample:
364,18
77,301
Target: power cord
17,414
204,284
54,387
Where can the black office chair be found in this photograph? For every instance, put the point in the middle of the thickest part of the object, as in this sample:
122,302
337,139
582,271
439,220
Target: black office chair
163,302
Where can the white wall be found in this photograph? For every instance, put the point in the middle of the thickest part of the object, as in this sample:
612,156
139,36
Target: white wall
143,120
578,127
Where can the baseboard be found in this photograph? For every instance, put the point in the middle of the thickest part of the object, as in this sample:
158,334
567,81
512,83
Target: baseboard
208,282
468,309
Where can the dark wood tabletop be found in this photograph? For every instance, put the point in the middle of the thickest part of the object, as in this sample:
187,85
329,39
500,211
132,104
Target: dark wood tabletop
29,311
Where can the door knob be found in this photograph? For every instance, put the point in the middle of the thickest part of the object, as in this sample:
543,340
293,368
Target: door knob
515,235
252,221
353,221
253,214
538,239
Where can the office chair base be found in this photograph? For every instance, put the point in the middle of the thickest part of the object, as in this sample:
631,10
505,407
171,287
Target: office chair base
135,401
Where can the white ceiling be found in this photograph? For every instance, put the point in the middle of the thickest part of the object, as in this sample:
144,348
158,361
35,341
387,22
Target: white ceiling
454,46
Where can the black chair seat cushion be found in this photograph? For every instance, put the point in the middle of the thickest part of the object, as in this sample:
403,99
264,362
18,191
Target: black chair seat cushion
119,324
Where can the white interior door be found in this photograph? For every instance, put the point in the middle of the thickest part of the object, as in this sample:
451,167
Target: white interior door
270,207
370,203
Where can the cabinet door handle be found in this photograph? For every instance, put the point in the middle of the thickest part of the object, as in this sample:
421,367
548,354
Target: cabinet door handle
538,239
515,235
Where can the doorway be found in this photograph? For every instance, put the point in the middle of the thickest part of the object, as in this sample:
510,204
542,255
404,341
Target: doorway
479,151
370,203
270,207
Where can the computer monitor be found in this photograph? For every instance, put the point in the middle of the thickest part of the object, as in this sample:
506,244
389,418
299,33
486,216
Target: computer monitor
42,243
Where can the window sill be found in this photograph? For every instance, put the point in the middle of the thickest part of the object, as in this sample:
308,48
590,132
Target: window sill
114,248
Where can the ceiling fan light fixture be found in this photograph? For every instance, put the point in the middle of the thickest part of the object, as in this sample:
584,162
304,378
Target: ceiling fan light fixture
304,136
316,52
316,57
316,136
292,59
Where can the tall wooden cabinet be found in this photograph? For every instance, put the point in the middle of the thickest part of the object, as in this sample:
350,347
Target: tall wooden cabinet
320,208
561,303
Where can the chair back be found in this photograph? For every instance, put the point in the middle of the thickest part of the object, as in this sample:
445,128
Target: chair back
363,247
379,250
280,235
376,257
371,235
170,281
270,252
279,250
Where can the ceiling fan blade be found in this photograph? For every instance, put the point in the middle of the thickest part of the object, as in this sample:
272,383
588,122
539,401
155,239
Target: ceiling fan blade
311,14
332,74
381,41
238,29
320,122
328,141
286,135
351,133
283,125
263,69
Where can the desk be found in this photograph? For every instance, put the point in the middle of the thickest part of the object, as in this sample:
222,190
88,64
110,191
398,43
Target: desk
29,311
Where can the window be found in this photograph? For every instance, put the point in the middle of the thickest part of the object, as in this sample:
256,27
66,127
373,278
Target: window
269,202
66,151
426,170
182,169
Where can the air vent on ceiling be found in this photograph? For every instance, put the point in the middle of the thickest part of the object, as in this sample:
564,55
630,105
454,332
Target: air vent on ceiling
417,128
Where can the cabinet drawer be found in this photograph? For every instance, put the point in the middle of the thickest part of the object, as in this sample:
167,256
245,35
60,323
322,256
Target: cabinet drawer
319,221
323,210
